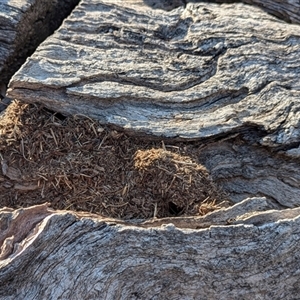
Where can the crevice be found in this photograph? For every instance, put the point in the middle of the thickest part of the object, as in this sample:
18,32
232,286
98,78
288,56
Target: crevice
166,5
33,27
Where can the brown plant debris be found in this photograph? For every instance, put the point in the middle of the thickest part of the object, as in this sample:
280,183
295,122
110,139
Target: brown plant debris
75,163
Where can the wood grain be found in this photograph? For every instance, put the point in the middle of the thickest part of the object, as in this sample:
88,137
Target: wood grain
246,170
188,73
287,10
24,24
71,257
226,76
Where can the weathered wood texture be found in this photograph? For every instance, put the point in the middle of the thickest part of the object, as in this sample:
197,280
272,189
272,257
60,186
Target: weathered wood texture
245,170
288,10
226,75
73,257
193,72
23,25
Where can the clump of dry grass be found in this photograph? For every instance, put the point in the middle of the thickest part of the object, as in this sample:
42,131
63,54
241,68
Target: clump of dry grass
76,163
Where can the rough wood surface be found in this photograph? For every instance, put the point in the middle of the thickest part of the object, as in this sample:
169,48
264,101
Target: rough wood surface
244,170
225,75
288,10
66,256
23,25
193,72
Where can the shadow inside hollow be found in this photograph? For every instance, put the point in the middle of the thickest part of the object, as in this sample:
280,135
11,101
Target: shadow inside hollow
165,4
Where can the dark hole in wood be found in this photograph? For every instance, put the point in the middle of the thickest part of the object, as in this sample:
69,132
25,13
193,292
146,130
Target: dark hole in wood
174,209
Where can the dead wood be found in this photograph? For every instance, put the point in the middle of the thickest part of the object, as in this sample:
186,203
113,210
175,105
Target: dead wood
192,74
188,73
287,10
224,77
72,257
23,26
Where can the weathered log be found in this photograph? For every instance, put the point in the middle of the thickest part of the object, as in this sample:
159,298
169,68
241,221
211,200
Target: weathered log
226,75
68,256
287,10
203,71
23,26
194,72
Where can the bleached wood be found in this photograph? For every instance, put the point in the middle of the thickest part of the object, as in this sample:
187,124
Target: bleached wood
246,170
193,72
226,75
288,10
71,257
203,71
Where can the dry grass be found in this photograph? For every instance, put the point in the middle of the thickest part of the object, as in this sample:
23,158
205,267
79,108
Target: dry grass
75,163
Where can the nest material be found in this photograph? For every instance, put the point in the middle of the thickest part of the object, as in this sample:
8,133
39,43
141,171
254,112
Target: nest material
75,163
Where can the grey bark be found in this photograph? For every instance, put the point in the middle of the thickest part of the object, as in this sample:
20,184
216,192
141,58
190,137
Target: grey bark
68,256
24,24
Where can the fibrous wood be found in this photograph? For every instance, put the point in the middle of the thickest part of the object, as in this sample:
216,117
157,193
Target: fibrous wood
288,10
193,72
68,256
245,170
224,75
23,25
